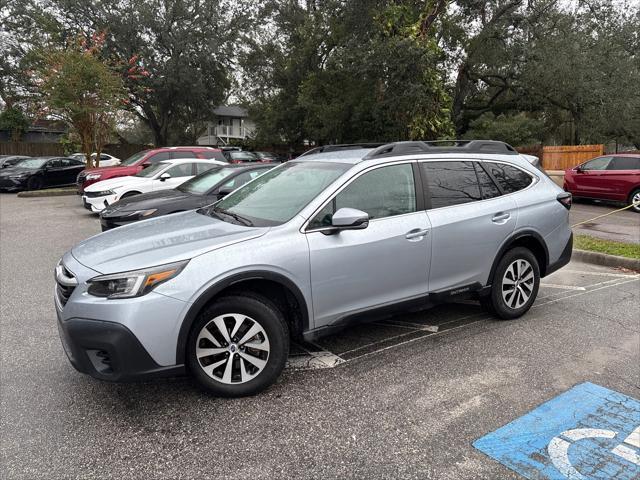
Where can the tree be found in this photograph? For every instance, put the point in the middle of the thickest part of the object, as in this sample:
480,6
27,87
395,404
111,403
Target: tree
175,56
80,89
339,72
14,120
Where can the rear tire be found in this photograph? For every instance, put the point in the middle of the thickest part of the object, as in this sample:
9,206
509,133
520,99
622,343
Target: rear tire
34,183
634,199
515,284
238,345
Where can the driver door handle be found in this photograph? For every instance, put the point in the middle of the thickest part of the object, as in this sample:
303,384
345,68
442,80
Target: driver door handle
416,234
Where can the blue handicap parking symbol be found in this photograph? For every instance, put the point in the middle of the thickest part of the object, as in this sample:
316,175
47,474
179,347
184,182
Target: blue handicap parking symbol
588,432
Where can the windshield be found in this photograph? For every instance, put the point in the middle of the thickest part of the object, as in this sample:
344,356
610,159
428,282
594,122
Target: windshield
278,195
151,170
33,163
202,183
134,158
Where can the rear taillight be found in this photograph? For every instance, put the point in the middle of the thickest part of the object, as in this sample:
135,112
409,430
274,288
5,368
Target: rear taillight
565,199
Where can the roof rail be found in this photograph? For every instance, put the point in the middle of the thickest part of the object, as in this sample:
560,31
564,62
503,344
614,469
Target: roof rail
336,148
441,146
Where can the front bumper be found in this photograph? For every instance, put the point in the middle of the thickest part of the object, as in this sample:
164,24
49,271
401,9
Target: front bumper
97,204
109,351
9,184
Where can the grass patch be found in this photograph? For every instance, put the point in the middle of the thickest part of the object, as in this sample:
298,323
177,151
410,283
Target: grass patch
585,242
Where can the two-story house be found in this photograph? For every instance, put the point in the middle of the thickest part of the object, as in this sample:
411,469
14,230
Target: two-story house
229,123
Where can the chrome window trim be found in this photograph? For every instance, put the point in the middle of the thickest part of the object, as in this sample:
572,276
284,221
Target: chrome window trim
303,228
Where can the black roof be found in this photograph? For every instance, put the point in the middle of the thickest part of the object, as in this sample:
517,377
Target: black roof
421,146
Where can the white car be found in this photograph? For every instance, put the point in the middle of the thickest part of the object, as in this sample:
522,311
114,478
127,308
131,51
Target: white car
106,160
160,176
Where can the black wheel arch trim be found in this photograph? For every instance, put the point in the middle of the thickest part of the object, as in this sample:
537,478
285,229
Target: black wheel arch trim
515,236
219,286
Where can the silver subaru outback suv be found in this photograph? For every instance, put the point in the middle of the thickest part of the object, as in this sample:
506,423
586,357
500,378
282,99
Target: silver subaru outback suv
340,235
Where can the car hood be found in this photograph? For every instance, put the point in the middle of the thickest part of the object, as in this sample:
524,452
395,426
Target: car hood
158,241
155,199
117,182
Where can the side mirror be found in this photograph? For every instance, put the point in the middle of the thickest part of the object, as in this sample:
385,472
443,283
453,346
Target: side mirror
350,219
224,191
579,169
165,176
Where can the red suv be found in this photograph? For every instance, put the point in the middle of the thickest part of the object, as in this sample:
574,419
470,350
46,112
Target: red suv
140,160
610,177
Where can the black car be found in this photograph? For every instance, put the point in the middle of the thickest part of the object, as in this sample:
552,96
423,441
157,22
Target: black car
201,190
38,172
10,160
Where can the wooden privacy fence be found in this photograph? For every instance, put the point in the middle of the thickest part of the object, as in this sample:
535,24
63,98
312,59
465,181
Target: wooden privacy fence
563,156
120,151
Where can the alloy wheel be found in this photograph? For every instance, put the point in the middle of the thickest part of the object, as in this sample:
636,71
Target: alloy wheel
517,283
635,200
232,348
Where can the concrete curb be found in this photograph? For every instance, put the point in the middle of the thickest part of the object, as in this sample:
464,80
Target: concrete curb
605,260
53,192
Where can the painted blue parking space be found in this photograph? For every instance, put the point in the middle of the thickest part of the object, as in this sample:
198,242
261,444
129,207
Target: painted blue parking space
588,432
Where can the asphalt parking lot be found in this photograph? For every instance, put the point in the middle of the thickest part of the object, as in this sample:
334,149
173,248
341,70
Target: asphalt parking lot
621,226
401,398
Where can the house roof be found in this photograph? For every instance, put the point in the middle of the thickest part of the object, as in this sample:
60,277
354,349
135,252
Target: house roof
231,111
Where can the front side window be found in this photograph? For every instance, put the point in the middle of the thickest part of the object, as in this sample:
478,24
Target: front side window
158,157
599,163
451,183
182,170
184,154
151,170
135,158
278,195
383,192
57,163
624,163
510,179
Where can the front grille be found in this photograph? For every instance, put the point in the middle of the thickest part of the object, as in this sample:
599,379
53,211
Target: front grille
81,177
65,284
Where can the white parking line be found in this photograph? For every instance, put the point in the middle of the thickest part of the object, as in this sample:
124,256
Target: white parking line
604,274
325,359
562,287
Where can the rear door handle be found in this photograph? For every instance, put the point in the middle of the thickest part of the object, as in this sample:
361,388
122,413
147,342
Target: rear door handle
416,233
501,217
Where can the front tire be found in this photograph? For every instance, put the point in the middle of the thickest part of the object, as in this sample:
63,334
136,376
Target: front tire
34,183
238,345
634,199
515,284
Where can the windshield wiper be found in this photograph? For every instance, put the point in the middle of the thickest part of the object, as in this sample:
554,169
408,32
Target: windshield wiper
235,216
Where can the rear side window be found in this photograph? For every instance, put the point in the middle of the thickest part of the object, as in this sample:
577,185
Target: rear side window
510,179
624,163
488,188
451,183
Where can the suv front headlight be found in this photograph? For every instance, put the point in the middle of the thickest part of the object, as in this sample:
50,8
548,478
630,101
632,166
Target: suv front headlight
134,283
